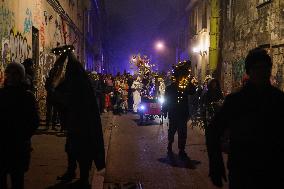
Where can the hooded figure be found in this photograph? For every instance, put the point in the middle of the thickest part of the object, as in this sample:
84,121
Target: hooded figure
73,95
19,120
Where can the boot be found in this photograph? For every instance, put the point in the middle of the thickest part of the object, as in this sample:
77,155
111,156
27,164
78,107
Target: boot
183,155
67,177
170,150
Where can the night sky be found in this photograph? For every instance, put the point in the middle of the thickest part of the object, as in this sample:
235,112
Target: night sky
135,25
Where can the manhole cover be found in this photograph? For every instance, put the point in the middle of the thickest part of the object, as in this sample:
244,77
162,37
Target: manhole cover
128,185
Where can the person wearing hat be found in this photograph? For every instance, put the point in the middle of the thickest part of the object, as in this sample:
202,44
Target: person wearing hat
176,108
254,117
72,92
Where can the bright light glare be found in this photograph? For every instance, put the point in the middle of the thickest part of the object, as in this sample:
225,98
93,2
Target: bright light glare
142,107
161,99
195,49
160,45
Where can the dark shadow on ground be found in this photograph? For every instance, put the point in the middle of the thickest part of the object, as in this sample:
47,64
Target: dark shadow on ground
175,161
63,185
146,122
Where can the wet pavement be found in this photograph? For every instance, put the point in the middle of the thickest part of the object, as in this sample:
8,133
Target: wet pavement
137,154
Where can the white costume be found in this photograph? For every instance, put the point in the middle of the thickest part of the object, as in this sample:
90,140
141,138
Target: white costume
137,85
162,88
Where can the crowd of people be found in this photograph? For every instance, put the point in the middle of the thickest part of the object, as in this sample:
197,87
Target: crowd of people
250,119
119,94
122,93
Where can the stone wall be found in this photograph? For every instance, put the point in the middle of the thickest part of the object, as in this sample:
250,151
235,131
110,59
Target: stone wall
246,25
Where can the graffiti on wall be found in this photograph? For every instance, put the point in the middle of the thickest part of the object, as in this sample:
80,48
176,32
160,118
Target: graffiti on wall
58,35
37,11
6,53
28,23
7,21
47,17
46,61
238,71
42,35
19,47
227,77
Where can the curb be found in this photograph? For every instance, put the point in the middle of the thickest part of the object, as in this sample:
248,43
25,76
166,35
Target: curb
98,177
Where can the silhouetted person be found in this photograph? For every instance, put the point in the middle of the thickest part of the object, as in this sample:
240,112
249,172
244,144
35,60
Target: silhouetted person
51,111
176,106
30,74
19,120
129,96
212,100
73,93
254,117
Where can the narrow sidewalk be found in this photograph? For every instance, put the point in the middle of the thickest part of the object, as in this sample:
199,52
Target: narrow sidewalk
48,158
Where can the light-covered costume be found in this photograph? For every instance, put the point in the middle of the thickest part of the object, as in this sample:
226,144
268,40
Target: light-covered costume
136,86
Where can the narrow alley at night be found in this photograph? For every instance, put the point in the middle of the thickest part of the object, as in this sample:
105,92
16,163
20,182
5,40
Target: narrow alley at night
141,94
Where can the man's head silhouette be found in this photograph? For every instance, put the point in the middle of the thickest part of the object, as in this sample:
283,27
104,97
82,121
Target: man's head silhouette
258,66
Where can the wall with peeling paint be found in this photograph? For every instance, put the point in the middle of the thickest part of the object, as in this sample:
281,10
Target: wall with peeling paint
18,17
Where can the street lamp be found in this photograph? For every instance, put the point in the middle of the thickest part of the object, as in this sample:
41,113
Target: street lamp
160,45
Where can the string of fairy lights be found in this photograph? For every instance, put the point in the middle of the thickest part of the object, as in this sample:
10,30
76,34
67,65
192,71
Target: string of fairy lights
182,75
63,49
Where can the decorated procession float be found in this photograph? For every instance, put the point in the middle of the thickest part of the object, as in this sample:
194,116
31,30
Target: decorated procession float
148,90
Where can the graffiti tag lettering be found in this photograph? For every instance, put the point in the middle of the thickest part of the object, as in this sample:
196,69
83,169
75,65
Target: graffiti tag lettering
20,49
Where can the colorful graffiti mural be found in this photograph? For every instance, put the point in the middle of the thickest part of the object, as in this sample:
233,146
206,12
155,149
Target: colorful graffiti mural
28,23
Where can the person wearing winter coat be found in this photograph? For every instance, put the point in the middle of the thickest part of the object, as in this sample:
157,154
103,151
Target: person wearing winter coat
19,121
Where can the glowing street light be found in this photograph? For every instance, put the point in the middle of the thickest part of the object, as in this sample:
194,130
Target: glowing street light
160,46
